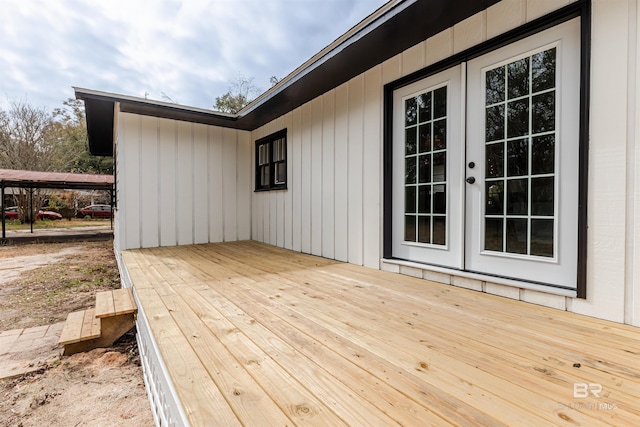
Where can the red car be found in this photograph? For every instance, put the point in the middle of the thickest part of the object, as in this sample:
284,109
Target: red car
12,213
95,211
48,215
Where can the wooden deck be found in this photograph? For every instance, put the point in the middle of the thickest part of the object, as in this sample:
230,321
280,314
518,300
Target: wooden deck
259,336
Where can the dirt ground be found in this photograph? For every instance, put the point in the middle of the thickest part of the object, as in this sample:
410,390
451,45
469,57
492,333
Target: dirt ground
39,285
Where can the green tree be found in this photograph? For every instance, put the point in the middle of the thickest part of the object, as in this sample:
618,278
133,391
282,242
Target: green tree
72,151
239,95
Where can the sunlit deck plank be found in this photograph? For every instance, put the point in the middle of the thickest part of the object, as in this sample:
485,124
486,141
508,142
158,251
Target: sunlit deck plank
344,338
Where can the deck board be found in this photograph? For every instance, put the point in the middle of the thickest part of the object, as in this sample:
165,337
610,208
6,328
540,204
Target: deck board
281,338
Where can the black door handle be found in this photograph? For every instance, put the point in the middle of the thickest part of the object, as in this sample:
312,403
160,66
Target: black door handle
471,180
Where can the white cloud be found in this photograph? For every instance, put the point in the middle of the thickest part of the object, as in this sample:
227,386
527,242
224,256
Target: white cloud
190,50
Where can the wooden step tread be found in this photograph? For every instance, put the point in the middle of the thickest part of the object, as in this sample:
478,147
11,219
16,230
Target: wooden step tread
115,303
80,326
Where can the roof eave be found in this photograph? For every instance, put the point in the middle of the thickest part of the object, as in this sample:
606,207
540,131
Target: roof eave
390,30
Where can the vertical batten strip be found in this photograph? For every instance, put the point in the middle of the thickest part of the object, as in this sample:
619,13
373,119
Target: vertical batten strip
355,168
632,286
372,183
159,179
316,175
341,242
295,183
328,173
193,182
288,195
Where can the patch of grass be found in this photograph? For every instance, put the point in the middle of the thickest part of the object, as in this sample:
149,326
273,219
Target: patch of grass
15,225
47,294
74,283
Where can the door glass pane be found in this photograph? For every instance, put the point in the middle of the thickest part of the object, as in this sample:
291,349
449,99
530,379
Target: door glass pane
494,126
439,199
518,78
495,160
543,71
424,229
424,199
495,85
495,198
493,234
542,199
516,236
518,157
440,135
424,107
424,168
410,199
410,228
542,237
424,137
517,118
520,144
410,140
544,112
517,197
439,230
425,162
542,154
411,111
410,170
440,102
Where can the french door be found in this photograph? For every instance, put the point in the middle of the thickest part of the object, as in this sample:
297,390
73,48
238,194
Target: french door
428,166
500,197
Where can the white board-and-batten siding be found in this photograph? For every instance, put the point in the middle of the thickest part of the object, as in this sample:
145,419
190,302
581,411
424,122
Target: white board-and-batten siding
180,183
333,205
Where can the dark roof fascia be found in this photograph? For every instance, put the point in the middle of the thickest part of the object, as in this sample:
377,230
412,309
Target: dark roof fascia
391,36
394,30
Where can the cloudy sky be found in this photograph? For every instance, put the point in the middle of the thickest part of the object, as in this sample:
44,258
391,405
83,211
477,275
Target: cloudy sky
186,50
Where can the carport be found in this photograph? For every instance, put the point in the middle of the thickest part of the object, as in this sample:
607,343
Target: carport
31,180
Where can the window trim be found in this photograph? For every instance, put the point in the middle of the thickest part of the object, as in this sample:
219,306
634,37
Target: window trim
580,9
270,163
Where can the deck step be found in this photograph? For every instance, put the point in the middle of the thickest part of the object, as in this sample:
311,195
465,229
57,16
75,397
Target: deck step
101,326
80,326
115,303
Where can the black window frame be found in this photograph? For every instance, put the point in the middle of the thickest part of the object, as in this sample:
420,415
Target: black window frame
270,164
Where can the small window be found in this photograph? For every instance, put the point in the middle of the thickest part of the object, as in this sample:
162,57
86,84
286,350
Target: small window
271,162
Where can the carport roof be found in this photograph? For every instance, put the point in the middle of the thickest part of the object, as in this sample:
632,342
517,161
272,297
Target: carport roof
54,180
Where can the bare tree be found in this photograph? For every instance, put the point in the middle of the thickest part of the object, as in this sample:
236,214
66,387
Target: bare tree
27,142
239,95
26,137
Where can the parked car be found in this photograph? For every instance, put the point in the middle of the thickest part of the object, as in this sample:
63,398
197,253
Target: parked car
95,211
11,213
48,215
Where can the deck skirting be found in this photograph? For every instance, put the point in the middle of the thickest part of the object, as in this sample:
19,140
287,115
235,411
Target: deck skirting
165,406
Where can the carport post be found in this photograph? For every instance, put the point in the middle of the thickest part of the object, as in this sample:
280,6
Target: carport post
31,208
4,224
